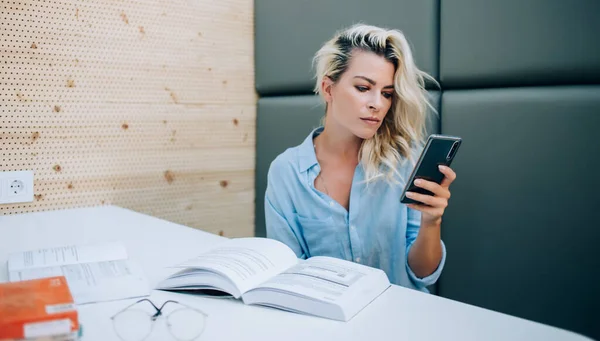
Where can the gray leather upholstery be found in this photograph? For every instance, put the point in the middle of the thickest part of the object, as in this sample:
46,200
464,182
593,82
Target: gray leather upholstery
514,42
288,33
281,123
522,228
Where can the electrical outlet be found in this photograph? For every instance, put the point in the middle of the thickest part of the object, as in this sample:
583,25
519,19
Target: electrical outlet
16,187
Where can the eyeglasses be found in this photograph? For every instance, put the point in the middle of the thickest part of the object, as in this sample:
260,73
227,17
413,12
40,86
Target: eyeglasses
134,324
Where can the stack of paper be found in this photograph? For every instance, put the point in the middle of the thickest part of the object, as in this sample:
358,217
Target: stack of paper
94,272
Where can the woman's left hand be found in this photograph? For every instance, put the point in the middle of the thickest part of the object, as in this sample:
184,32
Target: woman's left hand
433,206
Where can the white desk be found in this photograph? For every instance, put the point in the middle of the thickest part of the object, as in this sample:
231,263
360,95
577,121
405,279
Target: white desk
399,314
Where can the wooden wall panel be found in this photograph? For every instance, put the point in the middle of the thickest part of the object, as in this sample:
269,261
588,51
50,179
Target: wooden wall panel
149,105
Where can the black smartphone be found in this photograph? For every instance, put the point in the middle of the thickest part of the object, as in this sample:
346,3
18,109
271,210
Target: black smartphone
439,150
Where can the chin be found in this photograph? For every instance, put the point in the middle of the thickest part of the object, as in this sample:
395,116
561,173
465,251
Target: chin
366,133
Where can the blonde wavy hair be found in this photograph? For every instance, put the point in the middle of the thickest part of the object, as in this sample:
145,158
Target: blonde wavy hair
403,130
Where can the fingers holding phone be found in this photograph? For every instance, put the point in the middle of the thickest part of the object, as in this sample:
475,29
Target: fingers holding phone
432,206
428,188
449,176
439,192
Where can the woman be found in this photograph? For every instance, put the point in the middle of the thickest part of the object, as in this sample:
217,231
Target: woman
338,193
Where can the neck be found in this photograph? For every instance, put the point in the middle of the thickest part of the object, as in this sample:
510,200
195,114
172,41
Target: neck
338,143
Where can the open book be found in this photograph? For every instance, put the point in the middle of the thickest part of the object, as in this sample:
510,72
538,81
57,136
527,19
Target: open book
267,272
94,272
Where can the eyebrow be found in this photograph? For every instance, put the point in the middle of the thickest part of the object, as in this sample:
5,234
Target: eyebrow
373,82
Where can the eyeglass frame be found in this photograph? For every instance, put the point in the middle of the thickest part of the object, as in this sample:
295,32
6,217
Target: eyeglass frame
157,314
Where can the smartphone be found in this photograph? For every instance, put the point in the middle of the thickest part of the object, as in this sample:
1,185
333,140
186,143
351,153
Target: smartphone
439,150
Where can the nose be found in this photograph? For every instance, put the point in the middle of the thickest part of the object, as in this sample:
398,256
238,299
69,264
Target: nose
375,103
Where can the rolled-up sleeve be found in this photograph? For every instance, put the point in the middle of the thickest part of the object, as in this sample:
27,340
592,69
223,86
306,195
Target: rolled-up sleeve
412,230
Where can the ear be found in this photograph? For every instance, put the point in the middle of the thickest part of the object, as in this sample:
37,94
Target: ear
326,88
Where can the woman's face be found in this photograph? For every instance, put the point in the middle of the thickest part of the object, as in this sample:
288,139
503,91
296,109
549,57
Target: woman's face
362,96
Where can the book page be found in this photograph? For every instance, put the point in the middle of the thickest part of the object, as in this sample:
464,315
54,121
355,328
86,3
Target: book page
324,279
94,282
247,262
321,286
65,255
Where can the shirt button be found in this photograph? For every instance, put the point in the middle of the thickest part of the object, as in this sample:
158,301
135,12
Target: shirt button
331,203
353,227
357,259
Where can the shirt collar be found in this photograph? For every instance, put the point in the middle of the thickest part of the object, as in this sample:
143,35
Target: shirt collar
306,154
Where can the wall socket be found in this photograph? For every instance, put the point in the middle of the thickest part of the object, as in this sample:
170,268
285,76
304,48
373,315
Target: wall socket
16,187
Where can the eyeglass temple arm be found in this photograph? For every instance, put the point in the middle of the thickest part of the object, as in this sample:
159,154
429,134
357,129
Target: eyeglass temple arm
159,310
164,303
187,306
134,303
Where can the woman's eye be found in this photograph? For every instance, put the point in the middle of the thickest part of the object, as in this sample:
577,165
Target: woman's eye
387,95
362,88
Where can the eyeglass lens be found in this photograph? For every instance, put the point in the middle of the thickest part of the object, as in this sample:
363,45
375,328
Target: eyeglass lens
186,324
133,324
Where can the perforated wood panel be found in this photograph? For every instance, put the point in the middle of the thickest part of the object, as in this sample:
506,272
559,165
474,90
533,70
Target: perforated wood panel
148,105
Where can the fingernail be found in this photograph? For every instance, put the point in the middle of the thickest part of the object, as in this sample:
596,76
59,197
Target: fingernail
441,167
418,182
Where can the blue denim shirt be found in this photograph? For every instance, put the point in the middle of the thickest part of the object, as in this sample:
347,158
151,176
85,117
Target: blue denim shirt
378,230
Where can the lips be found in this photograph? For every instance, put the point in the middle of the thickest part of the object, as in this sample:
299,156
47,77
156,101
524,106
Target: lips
370,119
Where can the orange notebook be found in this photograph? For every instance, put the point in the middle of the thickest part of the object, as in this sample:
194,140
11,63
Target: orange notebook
34,308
